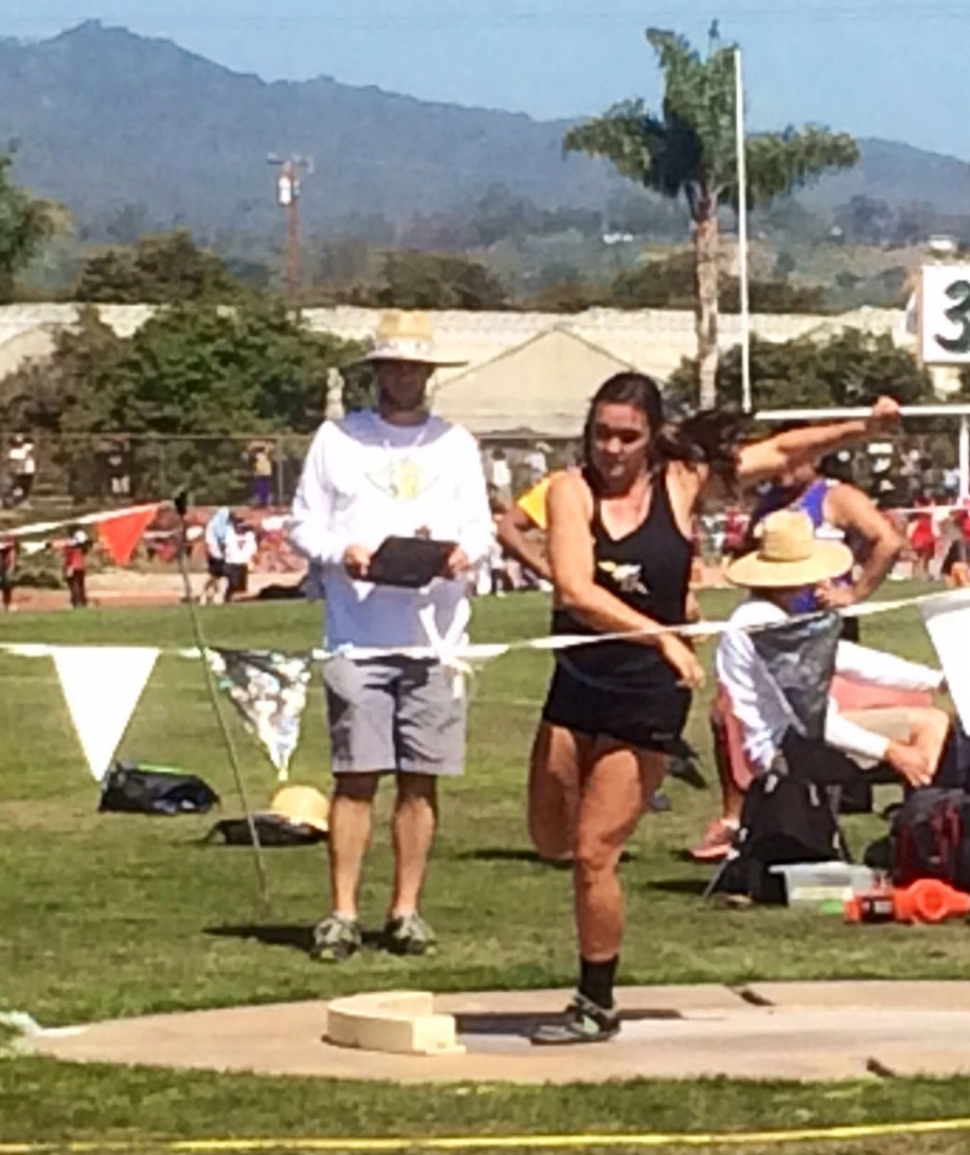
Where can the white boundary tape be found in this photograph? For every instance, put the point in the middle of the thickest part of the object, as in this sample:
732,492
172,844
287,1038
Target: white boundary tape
470,652
84,519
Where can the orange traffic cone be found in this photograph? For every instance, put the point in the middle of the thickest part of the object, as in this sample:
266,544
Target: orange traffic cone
927,900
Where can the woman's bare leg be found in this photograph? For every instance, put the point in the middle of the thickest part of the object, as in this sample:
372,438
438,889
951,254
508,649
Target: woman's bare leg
554,785
616,789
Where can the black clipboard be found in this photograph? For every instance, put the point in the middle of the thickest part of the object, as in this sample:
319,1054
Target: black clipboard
411,562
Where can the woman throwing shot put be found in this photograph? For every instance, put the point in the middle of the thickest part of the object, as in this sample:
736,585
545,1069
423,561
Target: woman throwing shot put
620,555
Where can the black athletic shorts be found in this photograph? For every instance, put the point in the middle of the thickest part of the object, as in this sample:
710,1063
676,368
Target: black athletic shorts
650,717
216,566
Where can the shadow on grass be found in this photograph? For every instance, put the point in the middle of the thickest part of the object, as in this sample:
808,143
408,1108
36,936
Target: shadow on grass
295,936
678,885
520,854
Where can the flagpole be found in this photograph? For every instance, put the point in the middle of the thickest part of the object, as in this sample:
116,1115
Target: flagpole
181,504
742,236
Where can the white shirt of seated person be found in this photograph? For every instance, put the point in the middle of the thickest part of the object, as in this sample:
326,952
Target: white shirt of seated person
761,708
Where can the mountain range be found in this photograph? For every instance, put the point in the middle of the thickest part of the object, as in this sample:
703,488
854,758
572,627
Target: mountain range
103,119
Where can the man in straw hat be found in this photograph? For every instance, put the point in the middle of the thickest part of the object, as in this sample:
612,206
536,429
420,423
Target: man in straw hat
788,562
391,472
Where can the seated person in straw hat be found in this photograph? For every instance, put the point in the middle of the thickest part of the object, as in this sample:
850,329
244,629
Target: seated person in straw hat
789,562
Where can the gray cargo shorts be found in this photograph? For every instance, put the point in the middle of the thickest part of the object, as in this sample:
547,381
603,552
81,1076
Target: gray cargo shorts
392,714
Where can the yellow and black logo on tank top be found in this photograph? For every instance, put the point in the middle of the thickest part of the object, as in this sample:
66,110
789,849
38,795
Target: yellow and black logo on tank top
624,575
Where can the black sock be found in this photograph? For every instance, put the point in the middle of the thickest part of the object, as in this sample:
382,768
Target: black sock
596,981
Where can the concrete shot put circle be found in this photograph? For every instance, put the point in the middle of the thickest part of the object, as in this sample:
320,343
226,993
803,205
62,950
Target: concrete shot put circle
811,1031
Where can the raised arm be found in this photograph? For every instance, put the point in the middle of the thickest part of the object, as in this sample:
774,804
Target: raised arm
850,509
794,447
573,566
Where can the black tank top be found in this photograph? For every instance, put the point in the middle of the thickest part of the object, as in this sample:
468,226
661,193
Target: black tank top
649,570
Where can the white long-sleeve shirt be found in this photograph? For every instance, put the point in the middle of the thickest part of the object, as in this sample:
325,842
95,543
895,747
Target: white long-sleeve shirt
365,479
762,709
240,546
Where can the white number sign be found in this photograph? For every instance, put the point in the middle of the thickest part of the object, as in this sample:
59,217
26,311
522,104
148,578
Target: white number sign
945,315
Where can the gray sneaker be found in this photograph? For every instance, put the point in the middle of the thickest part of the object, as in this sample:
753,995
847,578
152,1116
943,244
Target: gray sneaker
335,939
585,1022
409,935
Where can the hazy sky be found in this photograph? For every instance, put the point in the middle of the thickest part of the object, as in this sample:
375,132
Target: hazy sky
888,68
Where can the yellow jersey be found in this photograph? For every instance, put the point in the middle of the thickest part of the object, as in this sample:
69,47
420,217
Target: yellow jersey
533,503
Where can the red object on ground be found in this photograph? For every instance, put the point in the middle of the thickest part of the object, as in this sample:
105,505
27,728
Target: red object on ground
928,900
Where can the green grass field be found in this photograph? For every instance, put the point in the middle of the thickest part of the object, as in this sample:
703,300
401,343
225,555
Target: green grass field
119,915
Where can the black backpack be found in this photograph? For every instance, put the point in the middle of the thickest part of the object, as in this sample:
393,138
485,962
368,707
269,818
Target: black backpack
784,820
132,789
271,830
930,838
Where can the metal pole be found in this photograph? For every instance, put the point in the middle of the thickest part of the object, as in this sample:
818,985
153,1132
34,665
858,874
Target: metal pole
848,413
964,457
280,498
742,236
293,236
265,903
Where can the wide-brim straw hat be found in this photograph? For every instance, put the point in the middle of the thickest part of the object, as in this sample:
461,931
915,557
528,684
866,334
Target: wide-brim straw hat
789,556
407,336
303,806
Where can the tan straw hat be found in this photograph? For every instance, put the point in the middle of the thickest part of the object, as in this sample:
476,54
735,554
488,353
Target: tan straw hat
303,806
788,556
406,337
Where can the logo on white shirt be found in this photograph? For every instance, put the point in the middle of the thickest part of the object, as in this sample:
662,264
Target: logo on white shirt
402,480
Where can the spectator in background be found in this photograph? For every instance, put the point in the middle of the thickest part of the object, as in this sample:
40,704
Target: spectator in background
117,462
951,482
9,557
74,553
239,552
22,464
735,531
262,470
500,475
215,548
922,535
537,463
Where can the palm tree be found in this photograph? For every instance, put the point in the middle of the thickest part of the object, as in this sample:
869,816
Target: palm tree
691,149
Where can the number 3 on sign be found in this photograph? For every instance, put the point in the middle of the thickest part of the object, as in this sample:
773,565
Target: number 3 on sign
946,315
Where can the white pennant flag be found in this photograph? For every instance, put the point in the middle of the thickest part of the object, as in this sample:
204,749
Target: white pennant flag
102,685
947,621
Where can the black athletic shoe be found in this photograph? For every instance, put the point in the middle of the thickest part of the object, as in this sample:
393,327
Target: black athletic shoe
408,935
683,765
586,1022
335,939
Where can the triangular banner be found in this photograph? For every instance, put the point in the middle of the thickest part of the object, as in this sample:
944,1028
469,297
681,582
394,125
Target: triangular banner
102,686
121,533
268,688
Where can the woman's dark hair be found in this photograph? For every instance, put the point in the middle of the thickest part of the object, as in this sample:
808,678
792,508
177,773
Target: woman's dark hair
706,438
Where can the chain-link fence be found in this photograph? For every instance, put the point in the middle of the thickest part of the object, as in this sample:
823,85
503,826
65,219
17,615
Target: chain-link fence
45,470
63,470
